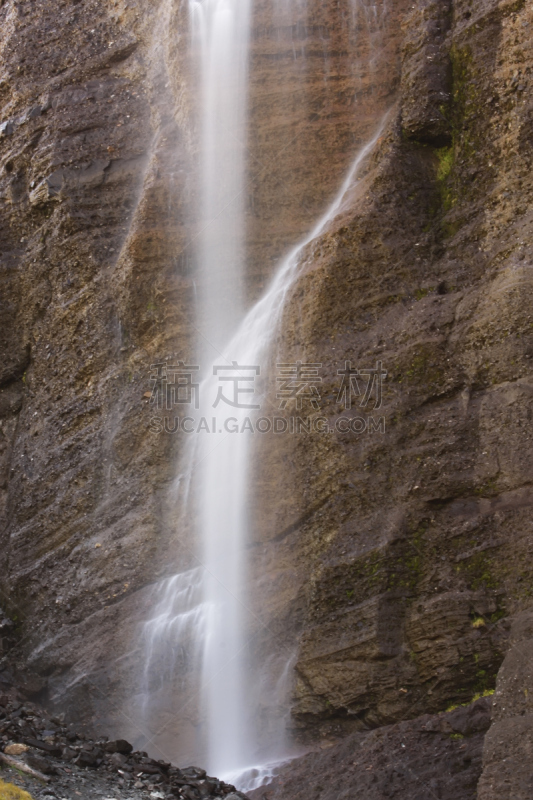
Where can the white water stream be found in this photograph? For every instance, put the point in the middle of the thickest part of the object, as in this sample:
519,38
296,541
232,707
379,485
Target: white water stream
207,607
219,40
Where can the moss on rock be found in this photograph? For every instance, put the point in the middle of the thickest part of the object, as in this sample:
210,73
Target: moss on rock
8,791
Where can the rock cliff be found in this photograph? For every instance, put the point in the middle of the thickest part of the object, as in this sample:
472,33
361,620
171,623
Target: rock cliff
414,558
400,558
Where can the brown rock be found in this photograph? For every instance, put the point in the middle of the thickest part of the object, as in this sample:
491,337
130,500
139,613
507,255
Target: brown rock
507,765
41,764
46,747
117,759
404,760
426,83
16,749
394,554
88,758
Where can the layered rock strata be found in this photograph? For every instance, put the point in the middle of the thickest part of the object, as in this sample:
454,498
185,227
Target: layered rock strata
411,544
432,756
399,559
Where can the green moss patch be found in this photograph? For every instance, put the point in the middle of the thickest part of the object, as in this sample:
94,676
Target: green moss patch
9,791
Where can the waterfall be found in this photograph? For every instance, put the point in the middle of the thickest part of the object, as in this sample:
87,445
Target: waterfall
202,628
219,460
222,28
219,42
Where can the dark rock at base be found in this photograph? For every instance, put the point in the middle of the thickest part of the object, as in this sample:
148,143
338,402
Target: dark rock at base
89,758
75,760
188,792
40,764
150,769
194,773
507,765
51,749
413,760
469,720
118,759
119,746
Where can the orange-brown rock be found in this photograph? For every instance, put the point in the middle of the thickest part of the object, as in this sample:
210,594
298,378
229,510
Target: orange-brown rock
411,545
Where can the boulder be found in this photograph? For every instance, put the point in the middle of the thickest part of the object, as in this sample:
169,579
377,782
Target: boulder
119,746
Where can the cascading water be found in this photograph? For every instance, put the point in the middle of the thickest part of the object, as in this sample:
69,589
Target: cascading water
223,461
222,29
193,613
220,462
202,617
219,43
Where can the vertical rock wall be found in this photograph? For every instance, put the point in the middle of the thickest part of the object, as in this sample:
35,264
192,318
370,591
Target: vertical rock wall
398,558
411,545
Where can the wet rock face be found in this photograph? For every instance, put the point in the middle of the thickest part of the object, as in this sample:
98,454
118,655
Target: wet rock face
321,77
77,147
427,77
506,769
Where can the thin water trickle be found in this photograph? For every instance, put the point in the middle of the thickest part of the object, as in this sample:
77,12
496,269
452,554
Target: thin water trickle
178,619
